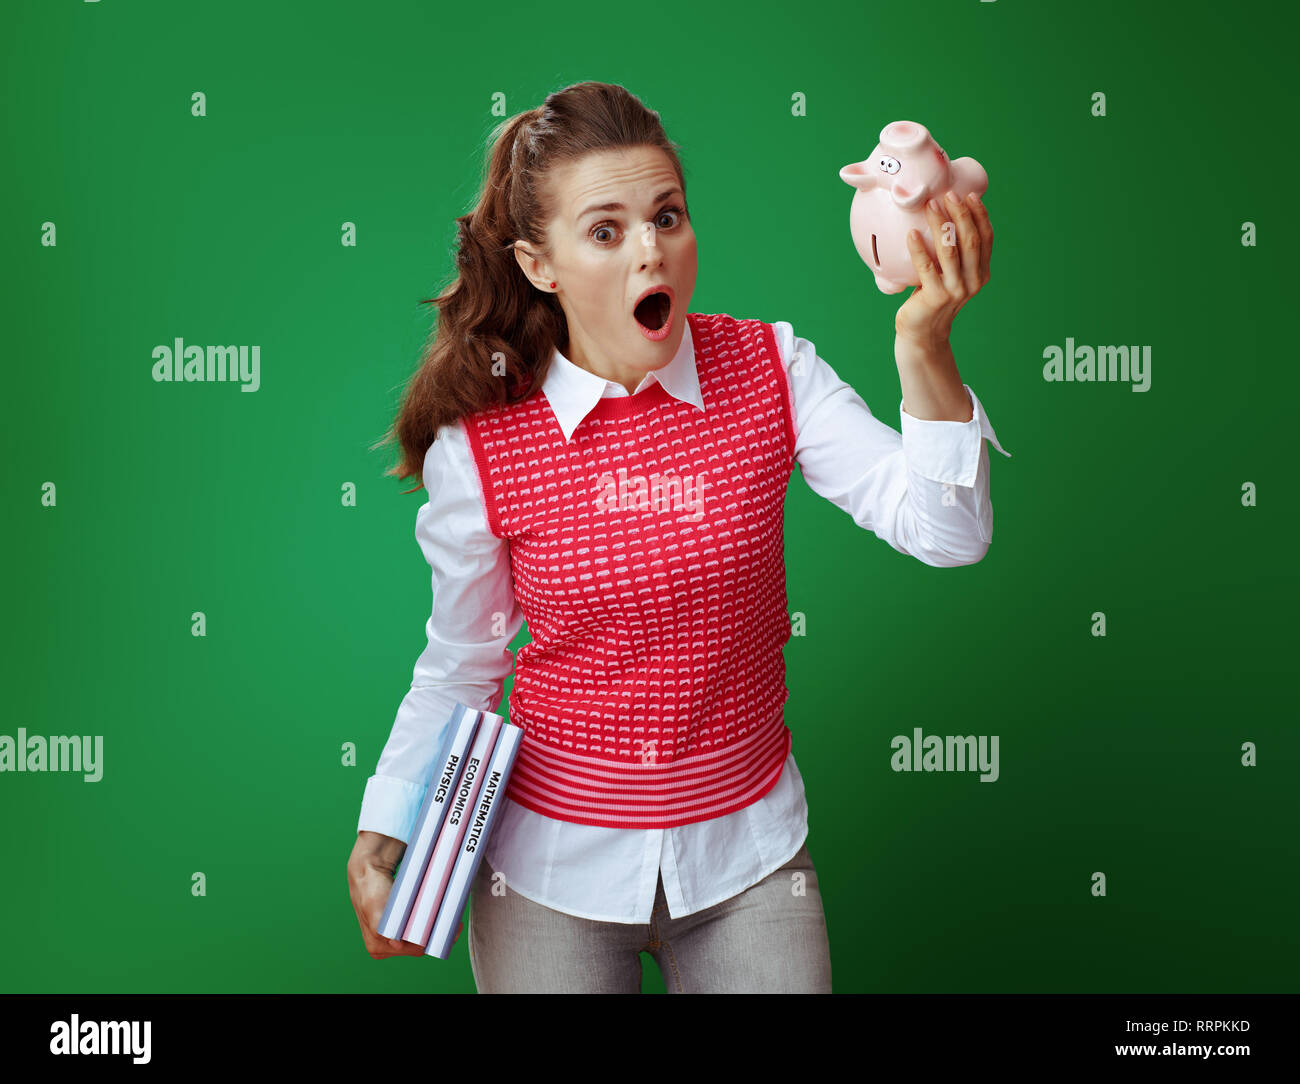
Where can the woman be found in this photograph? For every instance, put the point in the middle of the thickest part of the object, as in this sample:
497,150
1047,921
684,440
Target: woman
614,470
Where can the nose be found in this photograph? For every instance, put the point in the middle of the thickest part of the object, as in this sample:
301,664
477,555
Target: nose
650,242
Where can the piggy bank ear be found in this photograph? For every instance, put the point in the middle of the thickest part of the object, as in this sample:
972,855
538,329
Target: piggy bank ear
859,175
905,195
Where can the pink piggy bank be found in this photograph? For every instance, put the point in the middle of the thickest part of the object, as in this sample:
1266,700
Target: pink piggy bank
893,184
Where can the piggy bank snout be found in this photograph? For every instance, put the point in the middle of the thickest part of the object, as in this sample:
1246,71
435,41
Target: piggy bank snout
904,135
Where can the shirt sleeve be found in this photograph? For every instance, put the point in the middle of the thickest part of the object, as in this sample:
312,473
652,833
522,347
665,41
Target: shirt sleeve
924,491
473,621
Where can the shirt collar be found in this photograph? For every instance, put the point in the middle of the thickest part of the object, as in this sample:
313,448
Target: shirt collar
573,391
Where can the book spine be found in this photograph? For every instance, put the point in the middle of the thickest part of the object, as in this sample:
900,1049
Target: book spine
434,882
491,796
442,783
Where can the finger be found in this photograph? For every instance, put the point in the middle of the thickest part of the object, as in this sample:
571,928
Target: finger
926,270
389,946
968,238
949,259
981,215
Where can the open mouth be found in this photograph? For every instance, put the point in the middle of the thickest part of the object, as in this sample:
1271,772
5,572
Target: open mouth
653,310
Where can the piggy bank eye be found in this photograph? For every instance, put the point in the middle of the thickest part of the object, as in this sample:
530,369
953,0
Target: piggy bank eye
889,165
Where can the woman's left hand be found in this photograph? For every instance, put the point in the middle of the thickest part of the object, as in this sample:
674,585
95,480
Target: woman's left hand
925,318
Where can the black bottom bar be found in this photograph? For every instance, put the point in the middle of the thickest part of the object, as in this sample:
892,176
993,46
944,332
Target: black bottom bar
438,1032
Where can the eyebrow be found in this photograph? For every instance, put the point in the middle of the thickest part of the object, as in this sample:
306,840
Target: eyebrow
622,207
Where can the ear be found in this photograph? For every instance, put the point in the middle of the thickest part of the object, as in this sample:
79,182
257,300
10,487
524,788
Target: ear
908,196
536,269
860,175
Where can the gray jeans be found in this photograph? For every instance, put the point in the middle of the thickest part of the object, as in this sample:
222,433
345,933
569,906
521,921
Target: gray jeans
767,939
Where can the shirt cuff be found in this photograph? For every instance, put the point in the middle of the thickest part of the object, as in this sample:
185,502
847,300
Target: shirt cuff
946,451
390,806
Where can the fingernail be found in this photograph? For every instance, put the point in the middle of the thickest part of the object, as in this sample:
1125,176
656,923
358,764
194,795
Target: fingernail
933,205
952,198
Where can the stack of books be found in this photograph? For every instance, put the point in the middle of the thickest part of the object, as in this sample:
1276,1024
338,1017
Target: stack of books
466,789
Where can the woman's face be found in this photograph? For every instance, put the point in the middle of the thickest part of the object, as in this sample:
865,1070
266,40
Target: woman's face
620,227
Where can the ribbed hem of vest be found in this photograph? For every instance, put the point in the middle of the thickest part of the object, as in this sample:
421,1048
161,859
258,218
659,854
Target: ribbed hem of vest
603,794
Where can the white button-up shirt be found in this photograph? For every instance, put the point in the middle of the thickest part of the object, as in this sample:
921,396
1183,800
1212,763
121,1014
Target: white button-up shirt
925,492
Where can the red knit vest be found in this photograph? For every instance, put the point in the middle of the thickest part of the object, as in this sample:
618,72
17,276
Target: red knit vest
648,560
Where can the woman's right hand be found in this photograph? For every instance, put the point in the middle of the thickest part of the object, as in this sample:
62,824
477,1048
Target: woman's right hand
371,867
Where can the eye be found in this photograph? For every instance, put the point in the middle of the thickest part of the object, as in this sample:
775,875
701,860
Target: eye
676,212
608,227
889,165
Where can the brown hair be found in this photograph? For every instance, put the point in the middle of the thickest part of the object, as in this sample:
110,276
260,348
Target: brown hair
492,322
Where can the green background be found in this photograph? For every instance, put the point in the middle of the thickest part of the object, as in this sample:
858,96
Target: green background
222,754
